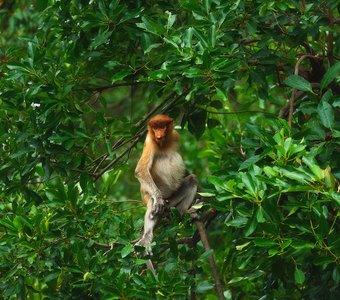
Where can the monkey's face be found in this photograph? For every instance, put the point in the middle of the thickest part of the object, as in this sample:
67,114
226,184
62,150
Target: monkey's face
159,134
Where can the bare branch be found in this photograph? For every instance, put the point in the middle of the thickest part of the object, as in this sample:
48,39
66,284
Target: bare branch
292,97
204,238
100,89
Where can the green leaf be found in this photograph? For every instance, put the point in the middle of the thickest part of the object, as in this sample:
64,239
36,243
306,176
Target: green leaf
313,166
263,242
171,20
120,75
188,37
326,114
100,39
299,276
212,36
207,195
240,247
260,215
206,254
197,122
295,175
126,250
41,4
200,37
204,286
249,183
249,162
299,83
330,75
251,226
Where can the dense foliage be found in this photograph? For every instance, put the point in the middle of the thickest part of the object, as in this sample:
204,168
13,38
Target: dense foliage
255,89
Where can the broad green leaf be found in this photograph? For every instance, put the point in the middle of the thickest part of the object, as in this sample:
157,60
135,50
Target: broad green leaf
264,242
313,166
299,276
326,114
299,83
188,37
236,279
200,37
295,175
247,179
203,286
251,226
171,42
212,36
330,75
273,251
336,102
238,222
41,4
126,250
249,162
260,215
171,20
100,39
217,181
206,254
327,96
336,197
120,75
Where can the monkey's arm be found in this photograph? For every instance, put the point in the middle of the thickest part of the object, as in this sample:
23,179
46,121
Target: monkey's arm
148,185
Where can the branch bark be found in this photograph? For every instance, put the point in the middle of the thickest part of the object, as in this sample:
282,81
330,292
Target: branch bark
204,238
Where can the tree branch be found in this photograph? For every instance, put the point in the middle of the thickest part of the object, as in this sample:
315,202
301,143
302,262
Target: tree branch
100,89
204,238
293,95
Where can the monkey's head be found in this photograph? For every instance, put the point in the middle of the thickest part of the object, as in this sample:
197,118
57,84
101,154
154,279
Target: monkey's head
160,126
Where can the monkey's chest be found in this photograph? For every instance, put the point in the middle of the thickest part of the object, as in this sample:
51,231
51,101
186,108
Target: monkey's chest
167,172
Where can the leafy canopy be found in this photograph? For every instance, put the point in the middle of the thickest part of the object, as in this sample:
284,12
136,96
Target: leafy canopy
254,87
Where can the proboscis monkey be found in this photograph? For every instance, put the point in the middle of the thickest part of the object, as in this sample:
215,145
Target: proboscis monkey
162,175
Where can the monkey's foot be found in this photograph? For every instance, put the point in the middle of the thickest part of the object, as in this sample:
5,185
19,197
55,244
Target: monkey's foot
193,213
146,243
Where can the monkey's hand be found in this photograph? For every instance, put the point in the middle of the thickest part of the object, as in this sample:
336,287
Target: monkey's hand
158,205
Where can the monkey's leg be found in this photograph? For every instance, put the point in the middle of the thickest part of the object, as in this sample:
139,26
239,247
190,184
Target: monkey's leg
149,224
184,197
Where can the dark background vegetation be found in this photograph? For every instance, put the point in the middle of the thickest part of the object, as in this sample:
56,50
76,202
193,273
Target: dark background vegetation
254,88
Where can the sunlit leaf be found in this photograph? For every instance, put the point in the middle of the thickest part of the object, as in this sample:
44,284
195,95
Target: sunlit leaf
330,75
299,83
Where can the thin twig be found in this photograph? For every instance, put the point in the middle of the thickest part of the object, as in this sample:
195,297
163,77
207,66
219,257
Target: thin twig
99,89
330,39
240,112
147,116
292,97
134,142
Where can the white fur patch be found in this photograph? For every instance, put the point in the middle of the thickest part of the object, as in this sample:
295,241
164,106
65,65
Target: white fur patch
167,172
